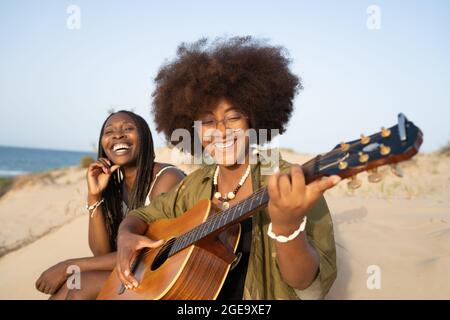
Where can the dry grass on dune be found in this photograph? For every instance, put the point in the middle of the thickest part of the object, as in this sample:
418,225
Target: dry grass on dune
25,216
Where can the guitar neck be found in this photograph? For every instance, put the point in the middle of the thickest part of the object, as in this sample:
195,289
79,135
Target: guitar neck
389,146
235,214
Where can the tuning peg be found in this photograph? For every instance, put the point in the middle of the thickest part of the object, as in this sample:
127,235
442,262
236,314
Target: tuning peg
384,150
385,132
365,139
363,157
354,183
343,165
396,170
344,146
374,176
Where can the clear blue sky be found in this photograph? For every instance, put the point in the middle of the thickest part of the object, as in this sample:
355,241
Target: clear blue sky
57,84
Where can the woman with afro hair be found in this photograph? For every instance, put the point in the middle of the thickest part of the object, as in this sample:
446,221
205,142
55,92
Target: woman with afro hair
215,91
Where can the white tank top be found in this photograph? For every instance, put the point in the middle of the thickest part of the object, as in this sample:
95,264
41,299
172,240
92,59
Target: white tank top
147,200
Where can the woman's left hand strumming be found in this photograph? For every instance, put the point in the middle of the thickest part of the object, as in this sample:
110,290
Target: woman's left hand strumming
290,198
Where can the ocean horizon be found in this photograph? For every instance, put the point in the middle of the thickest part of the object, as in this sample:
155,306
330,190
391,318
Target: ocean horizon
16,161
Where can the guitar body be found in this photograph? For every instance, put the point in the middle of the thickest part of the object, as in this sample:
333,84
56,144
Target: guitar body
196,272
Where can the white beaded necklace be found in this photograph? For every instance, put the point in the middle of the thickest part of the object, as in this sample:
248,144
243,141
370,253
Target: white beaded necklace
225,200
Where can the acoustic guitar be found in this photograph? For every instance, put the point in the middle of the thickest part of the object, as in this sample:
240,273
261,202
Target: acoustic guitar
200,245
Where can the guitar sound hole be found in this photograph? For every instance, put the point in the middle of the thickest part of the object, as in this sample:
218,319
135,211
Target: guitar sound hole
162,255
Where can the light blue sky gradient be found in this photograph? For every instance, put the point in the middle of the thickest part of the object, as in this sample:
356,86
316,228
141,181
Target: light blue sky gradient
57,84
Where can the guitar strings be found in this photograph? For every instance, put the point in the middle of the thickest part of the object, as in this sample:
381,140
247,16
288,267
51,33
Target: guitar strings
213,219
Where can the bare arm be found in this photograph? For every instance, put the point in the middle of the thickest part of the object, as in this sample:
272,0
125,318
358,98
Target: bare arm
98,175
166,181
105,262
98,234
290,199
132,225
297,259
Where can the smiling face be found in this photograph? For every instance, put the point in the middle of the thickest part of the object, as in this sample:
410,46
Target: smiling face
120,140
223,134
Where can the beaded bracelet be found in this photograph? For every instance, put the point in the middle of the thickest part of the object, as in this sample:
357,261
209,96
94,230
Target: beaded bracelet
92,208
284,239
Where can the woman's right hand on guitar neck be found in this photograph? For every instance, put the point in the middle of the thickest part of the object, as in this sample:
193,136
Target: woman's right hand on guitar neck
98,175
129,241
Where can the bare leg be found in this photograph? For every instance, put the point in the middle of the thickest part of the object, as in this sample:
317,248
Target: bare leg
91,284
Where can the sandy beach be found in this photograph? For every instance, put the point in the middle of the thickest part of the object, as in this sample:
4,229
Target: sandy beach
399,227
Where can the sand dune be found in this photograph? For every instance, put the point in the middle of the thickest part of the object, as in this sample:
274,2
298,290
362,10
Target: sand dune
399,228
409,240
20,269
40,203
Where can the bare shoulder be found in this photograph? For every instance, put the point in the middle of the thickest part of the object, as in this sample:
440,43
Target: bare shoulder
169,176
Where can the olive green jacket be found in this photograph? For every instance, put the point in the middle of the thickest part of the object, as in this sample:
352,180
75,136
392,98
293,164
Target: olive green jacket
263,279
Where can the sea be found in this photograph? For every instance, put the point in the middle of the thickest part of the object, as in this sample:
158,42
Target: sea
17,160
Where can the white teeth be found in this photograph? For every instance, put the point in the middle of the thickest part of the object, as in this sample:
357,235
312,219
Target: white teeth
120,146
224,145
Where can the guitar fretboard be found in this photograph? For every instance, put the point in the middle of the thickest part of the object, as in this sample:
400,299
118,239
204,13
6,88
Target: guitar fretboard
234,214
221,220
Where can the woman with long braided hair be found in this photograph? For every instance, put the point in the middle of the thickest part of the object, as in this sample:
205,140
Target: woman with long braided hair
124,177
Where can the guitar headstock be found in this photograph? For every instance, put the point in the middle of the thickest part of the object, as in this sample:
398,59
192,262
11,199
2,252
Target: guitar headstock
388,146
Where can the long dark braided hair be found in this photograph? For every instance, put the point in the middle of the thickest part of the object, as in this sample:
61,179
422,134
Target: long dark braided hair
112,195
